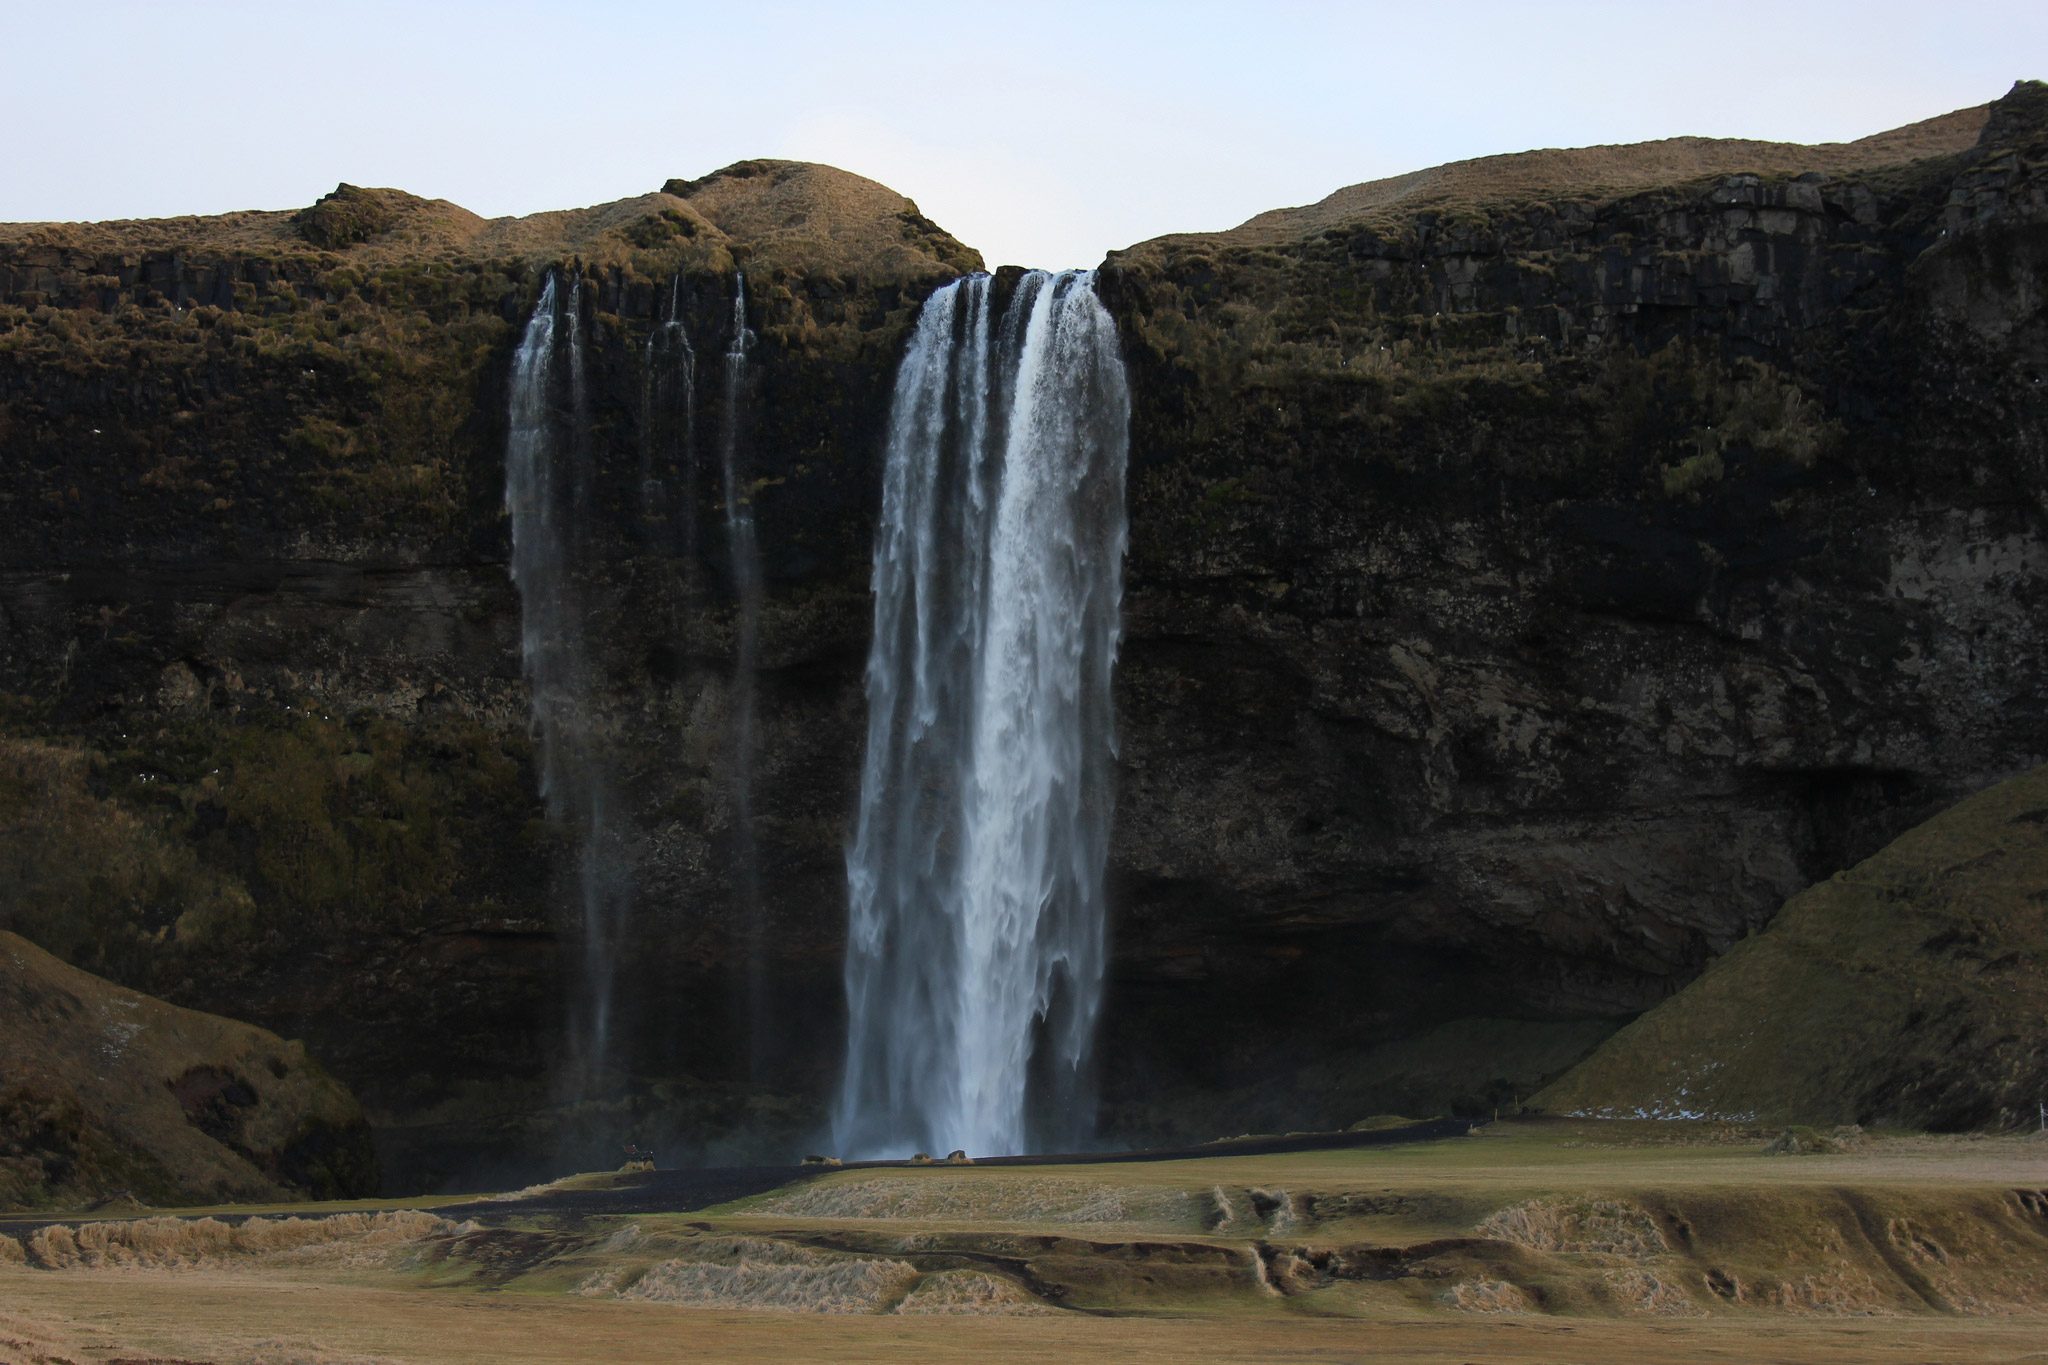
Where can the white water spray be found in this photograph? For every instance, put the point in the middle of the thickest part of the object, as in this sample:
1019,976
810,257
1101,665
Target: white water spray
976,928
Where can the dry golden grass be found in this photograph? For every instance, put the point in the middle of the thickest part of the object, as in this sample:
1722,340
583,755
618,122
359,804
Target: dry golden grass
766,212
1543,1241
1582,172
219,1317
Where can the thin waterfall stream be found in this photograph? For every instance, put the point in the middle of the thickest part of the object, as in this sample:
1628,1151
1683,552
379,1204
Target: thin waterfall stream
744,560
976,928
668,424
548,495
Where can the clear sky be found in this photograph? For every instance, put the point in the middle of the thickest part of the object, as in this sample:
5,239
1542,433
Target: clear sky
1042,133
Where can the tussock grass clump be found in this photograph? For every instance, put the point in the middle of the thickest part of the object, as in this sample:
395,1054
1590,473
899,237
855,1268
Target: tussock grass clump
1486,1296
1609,1227
301,1351
1639,1292
974,1294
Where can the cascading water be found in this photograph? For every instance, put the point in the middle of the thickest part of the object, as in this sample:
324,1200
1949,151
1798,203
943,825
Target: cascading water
976,929
744,559
547,492
668,422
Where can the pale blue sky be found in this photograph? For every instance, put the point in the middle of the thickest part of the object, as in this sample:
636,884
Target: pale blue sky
1045,134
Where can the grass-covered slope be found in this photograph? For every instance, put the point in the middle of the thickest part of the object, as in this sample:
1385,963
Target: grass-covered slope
105,1091
1909,990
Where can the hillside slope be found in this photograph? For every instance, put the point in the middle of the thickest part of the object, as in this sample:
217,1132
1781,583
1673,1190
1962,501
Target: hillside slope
1908,991
105,1091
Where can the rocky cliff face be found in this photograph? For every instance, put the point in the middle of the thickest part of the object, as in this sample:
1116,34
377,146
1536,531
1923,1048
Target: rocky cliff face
1537,574
1531,585
256,576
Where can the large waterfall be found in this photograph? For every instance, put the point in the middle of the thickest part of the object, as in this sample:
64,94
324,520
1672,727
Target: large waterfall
548,494
976,938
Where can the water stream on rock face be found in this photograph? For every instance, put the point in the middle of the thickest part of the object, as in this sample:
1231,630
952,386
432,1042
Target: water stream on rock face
548,494
976,920
668,423
744,559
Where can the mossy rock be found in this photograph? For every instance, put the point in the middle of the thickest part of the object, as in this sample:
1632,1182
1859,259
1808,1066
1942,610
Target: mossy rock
347,216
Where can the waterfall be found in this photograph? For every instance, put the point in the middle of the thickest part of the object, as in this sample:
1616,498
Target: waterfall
668,419
976,922
547,494
744,558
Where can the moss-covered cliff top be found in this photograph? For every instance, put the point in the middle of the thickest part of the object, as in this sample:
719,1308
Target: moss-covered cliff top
365,336
792,214
1592,173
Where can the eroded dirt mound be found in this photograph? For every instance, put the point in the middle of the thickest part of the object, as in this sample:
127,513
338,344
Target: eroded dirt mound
1908,991
106,1091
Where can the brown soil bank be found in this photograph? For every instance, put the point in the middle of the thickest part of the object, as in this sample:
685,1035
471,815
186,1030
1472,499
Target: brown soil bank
106,1092
1535,579
1910,990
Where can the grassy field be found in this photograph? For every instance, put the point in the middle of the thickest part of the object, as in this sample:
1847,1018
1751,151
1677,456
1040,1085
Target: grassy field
1536,1241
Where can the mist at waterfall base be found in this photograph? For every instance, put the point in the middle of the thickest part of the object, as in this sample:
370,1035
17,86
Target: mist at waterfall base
975,856
975,879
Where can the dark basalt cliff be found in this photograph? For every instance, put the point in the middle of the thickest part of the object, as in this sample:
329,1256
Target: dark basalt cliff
1530,588
1540,569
